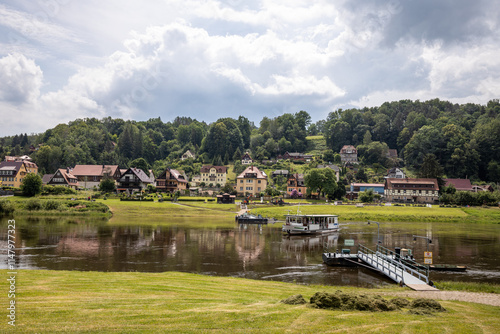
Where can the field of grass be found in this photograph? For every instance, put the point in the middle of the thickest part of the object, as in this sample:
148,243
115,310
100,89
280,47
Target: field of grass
156,213
468,286
393,213
97,302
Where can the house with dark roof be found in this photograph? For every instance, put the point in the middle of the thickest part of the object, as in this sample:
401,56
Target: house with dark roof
459,184
395,173
64,177
335,168
133,179
412,190
171,180
246,159
214,175
295,156
12,173
349,153
90,176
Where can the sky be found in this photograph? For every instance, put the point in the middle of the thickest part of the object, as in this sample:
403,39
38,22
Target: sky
66,59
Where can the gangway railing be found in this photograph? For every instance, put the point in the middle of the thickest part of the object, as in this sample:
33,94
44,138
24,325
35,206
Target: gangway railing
384,260
412,266
376,260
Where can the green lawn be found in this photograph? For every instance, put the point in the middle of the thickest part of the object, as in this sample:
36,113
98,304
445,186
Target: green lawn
392,213
97,302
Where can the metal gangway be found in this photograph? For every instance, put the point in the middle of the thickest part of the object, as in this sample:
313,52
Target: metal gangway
403,271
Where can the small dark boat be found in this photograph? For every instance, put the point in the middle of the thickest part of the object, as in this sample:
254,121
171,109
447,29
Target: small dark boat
247,218
447,267
344,259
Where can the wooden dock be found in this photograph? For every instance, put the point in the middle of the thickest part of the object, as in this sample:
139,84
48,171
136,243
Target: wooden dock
399,271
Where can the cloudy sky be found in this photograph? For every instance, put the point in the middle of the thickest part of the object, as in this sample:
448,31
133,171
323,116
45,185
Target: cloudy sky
67,59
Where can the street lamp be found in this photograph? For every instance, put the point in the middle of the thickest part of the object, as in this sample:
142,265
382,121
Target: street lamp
378,230
429,241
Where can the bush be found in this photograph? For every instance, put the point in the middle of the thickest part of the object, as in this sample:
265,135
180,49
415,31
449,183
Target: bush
6,207
31,185
51,205
33,205
57,190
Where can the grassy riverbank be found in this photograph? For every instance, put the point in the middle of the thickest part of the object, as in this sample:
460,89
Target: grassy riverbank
158,213
389,214
75,302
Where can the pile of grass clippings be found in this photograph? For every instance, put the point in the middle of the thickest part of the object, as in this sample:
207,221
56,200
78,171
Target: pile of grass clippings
361,302
294,300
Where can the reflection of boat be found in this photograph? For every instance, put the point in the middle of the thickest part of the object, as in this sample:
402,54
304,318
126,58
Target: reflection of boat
310,224
247,218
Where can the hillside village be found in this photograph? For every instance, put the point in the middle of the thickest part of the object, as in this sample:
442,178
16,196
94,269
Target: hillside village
403,152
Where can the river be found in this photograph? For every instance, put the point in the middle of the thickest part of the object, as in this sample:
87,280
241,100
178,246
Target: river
249,251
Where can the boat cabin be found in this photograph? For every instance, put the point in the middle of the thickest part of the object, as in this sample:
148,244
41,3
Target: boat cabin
310,223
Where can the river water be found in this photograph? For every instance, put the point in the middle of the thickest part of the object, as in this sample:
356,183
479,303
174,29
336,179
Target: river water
249,251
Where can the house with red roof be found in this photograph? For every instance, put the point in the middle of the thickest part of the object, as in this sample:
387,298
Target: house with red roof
64,177
90,176
459,184
251,181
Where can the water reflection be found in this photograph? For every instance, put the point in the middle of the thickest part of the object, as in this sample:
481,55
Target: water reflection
250,251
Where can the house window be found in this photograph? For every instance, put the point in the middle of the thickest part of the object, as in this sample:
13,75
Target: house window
241,188
258,181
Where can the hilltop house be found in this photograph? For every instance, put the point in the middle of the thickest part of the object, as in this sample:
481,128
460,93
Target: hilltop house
214,175
412,190
188,155
246,159
335,169
133,179
251,181
349,153
12,173
295,156
171,180
395,173
90,176
64,177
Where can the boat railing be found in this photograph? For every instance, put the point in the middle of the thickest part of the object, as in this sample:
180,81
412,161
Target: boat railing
381,263
408,265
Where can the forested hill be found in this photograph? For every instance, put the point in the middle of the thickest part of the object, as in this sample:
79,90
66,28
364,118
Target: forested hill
464,138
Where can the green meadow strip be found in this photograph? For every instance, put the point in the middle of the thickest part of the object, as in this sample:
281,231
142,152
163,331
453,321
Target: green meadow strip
101,302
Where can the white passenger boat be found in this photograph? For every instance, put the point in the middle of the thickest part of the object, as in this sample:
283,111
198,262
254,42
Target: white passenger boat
310,224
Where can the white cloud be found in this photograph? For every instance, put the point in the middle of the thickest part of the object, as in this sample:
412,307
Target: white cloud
209,58
21,79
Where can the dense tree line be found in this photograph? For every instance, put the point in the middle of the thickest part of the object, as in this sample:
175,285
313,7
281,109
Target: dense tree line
464,139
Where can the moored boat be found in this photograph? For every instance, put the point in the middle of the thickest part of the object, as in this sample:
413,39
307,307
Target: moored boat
248,218
310,224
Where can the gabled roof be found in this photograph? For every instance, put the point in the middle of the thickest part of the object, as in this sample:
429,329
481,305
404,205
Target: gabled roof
173,174
280,172
94,170
412,183
392,153
46,178
252,170
140,174
459,184
369,185
331,166
67,175
219,169
11,165
348,147
246,156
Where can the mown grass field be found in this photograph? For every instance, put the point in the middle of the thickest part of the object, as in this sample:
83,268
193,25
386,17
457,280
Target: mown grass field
388,214
96,302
